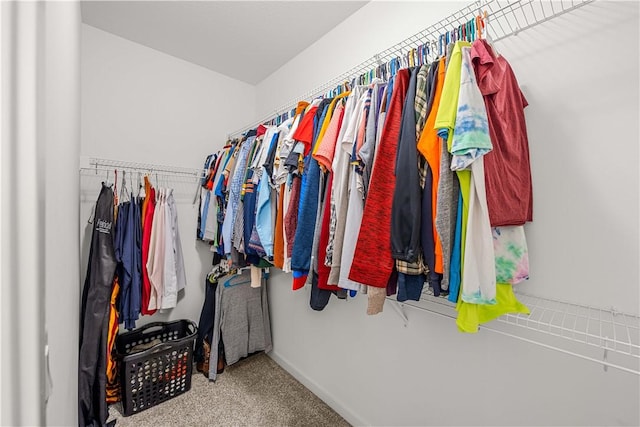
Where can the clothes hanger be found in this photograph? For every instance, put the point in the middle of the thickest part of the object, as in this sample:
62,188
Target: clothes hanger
115,187
123,188
141,191
131,184
472,31
237,276
215,273
228,283
483,29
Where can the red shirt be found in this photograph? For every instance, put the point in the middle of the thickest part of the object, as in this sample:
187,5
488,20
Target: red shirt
372,261
304,132
323,270
506,167
146,240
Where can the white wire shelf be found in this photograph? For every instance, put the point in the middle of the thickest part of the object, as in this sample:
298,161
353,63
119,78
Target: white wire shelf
605,336
184,181
504,18
97,164
602,328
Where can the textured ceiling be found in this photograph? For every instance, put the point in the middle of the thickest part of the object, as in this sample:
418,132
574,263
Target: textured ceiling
246,40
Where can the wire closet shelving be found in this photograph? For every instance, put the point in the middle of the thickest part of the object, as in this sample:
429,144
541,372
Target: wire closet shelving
604,336
501,19
184,181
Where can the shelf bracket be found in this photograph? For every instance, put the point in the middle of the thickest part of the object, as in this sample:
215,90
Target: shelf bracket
605,363
399,308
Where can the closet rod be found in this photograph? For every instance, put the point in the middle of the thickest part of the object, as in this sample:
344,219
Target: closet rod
101,171
503,18
97,165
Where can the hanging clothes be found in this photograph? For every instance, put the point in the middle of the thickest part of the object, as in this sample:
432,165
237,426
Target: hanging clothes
205,201
445,122
113,376
157,248
174,272
406,208
406,211
234,194
508,172
307,211
365,138
94,315
339,192
374,238
385,187
207,315
128,254
470,143
241,320
146,242
210,226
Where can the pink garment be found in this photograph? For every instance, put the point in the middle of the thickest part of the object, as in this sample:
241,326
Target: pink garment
326,149
360,136
155,261
146,241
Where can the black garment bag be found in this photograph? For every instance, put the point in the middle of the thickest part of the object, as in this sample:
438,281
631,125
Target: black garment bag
94,317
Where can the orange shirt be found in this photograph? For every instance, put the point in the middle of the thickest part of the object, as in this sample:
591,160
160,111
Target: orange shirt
278,239
430,146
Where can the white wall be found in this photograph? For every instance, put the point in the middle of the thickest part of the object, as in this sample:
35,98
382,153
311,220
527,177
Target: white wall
580,75
374,27
141,105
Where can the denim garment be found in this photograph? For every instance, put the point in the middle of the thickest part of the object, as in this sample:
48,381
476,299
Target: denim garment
234,194
410,287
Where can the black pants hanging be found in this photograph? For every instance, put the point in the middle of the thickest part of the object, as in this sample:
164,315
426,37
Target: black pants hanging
205,326
94,317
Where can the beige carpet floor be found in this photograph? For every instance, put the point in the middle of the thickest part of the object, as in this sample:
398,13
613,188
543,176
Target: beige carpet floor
253,392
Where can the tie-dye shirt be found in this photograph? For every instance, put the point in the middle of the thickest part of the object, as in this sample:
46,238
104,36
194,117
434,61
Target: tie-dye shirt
471,134
469,143
511,254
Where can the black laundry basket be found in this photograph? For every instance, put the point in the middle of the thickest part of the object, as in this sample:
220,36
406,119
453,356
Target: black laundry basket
159,373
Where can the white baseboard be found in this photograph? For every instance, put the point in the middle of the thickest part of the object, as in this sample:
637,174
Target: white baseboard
318,390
